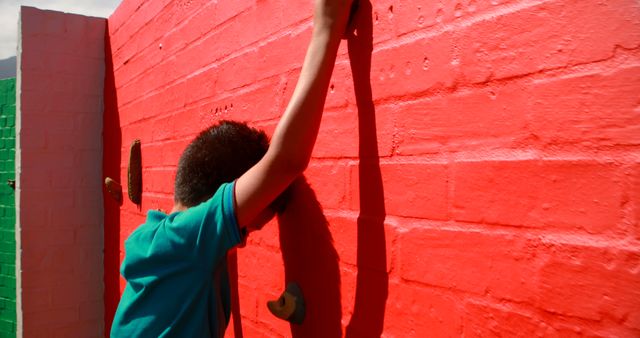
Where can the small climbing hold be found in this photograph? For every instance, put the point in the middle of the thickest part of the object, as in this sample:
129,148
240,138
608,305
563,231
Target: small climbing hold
290,306
113,188
135,173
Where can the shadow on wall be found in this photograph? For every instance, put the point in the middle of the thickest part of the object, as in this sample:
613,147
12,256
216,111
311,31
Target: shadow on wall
112,144
311,260
372,283
232,267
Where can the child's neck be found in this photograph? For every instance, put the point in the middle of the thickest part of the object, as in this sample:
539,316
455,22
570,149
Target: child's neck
178,207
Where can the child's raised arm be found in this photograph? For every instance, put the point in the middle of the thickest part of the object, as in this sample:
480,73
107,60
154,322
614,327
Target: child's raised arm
295,135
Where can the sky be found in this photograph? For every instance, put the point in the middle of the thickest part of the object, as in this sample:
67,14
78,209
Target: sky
9,11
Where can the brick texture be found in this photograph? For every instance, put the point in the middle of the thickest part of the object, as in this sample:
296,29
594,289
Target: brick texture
7,208
60,208
476,172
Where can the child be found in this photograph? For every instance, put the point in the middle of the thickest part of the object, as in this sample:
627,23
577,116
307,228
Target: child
226,185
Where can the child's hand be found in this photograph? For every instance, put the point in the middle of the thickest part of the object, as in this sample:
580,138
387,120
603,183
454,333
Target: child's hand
331,16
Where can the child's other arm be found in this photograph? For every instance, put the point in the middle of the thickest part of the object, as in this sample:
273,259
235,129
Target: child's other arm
295,135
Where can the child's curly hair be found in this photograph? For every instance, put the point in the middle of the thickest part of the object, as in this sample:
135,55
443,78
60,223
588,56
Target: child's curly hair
219,154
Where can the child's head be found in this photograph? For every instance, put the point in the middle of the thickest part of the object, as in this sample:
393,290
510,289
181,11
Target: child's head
219,154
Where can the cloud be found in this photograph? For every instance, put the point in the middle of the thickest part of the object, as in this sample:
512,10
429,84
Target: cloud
9,11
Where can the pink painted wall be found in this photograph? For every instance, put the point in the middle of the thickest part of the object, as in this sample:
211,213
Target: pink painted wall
477,173
59,193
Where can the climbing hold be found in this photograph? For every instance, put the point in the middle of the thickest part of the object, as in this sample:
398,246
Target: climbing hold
135,173
290,306
114,189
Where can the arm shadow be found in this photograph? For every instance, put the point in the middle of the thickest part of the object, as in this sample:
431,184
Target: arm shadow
311,260
372,282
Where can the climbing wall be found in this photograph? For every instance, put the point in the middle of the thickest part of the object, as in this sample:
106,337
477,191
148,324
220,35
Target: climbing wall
7,208
476,173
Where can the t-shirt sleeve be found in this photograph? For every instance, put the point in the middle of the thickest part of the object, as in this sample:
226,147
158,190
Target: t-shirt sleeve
212,226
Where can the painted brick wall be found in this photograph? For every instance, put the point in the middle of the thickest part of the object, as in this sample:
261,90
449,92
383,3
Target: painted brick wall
477,171
59,192
7,208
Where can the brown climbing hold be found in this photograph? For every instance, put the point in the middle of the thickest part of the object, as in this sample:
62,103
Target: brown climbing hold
113,188
290,306
134,173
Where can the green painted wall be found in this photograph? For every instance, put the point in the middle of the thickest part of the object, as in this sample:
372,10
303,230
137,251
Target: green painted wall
7,208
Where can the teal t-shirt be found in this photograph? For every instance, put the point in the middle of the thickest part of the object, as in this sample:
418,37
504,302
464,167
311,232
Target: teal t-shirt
175,267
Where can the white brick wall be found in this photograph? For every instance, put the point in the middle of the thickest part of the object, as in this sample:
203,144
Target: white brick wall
59,175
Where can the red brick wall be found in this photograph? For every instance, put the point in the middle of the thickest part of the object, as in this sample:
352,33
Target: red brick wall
476,173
